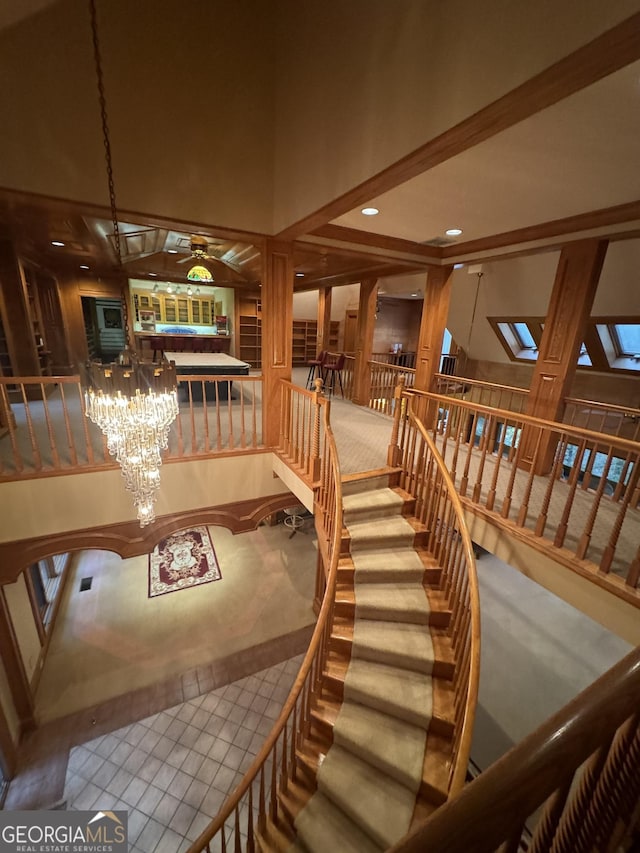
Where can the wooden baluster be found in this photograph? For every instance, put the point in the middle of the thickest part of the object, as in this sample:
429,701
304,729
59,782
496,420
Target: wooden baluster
514,458
223,840
294,742
471,443
284,775
512,844
491,496
458,417
230,414
273,808
546,827
568,822
485,441
586,478
218,416
284,418
73,456
393,452
37,459
610,548
205,421
585,539
262,809
561,449
192,414
254,413
315,440
50,432
243,431
633,575
524,506
237,845
250,835
620,485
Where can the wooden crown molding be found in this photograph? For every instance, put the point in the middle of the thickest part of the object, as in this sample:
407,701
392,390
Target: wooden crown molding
608,52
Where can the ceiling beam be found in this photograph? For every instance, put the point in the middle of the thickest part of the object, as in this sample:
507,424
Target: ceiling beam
377,241
609,52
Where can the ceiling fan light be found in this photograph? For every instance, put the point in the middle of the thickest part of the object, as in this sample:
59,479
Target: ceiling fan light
199,273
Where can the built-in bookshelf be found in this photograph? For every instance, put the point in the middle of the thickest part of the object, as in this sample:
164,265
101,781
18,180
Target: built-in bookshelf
305,340
251,339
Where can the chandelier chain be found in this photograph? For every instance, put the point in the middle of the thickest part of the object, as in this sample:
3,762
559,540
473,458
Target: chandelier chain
109,163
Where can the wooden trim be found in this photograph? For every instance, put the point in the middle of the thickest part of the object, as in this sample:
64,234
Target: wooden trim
8,751
37,616
601,218
378,241
16,675
127,539
608,52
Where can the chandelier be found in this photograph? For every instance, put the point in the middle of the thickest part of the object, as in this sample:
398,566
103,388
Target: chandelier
133,402
199,273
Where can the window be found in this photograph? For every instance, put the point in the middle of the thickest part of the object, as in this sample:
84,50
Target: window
524,336
626,339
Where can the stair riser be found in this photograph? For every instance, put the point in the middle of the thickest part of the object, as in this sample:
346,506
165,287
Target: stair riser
436,618
375,761
428,577
362,544
336,688
439,668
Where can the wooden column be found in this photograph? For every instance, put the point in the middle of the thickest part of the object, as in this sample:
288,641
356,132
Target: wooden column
435,311
364,341
324,318
16,675
569,309
17,321
277,323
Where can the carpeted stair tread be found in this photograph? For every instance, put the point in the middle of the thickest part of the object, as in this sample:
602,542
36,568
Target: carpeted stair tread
390,561
353,484
382,808
323,828
393,531
393,602
377,503
394,643
392,746
399,692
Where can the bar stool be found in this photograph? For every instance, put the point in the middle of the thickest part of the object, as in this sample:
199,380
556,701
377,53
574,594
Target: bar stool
316,364
335,369
156,343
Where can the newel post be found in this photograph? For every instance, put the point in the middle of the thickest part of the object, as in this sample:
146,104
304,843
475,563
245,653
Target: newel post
393,452
315,438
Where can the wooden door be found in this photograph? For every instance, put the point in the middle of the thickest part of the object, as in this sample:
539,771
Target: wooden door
350,330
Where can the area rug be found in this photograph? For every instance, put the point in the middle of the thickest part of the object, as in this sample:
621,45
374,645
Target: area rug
182,561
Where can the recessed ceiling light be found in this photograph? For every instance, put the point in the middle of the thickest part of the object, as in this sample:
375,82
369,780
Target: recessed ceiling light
370,211
414,294
458,266
453,232
172,251
154,274
299,275
57,243
84,267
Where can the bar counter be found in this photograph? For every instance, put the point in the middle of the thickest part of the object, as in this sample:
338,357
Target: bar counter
147,342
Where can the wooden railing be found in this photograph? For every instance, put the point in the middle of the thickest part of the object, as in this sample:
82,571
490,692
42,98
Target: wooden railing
255,800
301,425
623,421
384,379
425,477
575,781
47,431
586,504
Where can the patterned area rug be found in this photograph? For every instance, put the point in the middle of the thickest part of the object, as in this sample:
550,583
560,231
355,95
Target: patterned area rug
183,560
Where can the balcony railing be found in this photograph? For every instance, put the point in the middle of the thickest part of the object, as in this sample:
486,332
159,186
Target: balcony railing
585,504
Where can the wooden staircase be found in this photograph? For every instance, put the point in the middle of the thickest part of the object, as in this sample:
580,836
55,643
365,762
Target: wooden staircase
376,756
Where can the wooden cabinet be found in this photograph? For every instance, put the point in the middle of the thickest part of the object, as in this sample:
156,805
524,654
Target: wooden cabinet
177,308
305,340
250,335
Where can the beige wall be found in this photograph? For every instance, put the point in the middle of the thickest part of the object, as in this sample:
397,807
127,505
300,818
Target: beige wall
99,498
24,624
363,83
189,90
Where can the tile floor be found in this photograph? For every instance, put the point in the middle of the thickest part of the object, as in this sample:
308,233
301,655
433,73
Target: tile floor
172,771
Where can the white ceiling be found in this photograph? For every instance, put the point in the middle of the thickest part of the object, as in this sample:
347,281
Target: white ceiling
579,155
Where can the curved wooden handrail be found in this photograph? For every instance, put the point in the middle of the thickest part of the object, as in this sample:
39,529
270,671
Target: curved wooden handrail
495,806
330,515
464,734
482,383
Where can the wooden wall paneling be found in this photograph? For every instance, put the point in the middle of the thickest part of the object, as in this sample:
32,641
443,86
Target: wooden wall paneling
574,290
277,325
435,311
16,675
17,320
364,341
